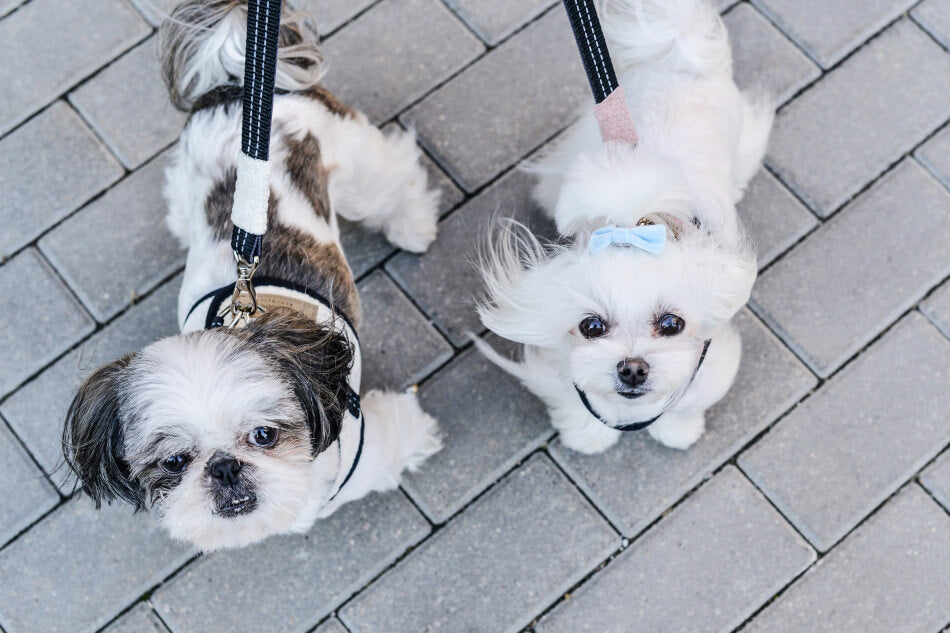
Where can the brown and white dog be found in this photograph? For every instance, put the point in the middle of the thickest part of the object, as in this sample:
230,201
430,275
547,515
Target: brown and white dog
232,435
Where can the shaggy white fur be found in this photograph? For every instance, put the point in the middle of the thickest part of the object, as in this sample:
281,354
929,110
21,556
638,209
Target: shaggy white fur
182,427
701,140
373,178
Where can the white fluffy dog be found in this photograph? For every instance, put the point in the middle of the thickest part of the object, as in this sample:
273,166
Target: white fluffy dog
617,338
232,435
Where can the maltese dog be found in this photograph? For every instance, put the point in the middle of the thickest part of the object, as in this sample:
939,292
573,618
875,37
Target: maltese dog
629,327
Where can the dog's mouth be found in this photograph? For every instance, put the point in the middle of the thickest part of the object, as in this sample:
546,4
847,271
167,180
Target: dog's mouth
631,394
237,506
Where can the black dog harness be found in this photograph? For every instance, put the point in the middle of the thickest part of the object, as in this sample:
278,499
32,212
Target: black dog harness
211,311
637,426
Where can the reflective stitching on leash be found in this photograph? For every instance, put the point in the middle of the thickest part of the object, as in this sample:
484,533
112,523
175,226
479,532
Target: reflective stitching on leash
600,54
590,49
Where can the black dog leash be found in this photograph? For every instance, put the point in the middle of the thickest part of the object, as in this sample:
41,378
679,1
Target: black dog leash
638,426
252,191
610,104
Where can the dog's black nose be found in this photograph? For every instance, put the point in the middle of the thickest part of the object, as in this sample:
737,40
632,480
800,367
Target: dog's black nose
225,470
633,371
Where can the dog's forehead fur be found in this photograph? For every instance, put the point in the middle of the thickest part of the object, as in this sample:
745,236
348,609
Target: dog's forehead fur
207,388
630,284
691,278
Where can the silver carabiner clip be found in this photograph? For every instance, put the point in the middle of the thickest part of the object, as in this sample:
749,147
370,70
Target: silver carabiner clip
244,298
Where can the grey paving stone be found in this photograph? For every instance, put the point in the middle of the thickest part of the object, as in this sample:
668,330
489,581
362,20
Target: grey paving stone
443,282
36,411
330,15
79,567
364,248
934,15
937,308
722,5
635,481
495,566
936,479
706,567
26,493
312,573
829,31
128,106
46,47
451,194
935,156
40,319
141,619
399,346
489,422
406,60
8,5
155,11
836,290
54,165
890,575
118,247
843,451
860,118
331,626
763,60
774,217
494,20
505,104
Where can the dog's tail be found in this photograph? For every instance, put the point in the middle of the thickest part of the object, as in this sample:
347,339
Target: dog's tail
514,368
201,47
681,35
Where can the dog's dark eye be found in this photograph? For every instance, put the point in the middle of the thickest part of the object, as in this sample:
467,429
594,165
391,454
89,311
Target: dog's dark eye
593,327
669,325
263,436
174,465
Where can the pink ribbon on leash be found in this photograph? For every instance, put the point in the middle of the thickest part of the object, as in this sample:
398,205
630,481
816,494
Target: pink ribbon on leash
614,120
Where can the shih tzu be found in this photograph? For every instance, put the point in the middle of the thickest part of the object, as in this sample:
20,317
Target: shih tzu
229,435
629,326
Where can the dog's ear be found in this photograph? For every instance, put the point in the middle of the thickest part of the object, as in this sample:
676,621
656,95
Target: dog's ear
315,361
93,438
524,293
726,276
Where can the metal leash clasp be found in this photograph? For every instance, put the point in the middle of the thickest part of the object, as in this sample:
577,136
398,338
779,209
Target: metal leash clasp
244,299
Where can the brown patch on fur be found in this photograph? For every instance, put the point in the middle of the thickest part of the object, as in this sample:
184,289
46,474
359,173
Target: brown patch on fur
315,361
220,96
230,94
329,101
308,174
290,254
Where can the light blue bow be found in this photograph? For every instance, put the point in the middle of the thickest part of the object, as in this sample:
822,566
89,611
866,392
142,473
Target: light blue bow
650,238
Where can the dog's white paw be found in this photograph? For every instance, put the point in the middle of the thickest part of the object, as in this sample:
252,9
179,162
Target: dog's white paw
678,430
428,444
589,438
408,434
415,228
416,242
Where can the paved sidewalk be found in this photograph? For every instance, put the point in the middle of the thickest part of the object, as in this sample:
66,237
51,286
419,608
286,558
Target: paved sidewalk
819,499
